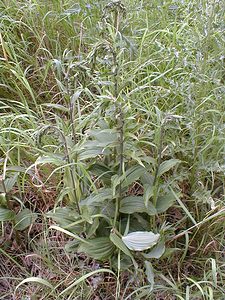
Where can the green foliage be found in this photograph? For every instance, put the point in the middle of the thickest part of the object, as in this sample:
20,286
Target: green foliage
112,127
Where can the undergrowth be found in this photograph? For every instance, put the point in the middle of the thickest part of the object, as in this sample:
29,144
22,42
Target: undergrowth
112,149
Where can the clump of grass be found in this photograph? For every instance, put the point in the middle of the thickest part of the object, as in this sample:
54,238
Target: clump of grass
112,122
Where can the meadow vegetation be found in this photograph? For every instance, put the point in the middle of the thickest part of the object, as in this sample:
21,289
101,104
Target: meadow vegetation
112,149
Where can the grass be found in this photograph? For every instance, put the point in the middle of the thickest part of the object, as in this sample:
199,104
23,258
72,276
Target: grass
112,122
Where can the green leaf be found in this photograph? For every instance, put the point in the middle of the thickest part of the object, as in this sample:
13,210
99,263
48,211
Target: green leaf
157,251
56,106
140,240
102,171
99,248
3,200
24,219
73,235
148,193
135,204
10,182
103,194
35,280
131,175
149,271
93,151
54,159
84,277
105,137
167,165
6,214
164,202
132,204
117,241
66,217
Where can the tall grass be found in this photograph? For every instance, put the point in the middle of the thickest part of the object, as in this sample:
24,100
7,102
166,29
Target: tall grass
112,122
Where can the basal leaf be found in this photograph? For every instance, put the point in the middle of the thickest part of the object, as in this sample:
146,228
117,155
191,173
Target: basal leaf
135,204
148,193
117,241
10,182
6,214
24,219
132,204
99,248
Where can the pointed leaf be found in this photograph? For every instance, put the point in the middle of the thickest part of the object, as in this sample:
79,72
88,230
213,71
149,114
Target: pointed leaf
167,165
148,193
135,204
53,159
35,280
149,271
120,244
140,240
6,214
164,202
131,175
103,195
10,182
99,248
24,219
157,251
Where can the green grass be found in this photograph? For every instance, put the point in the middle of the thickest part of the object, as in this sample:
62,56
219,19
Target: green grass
111,122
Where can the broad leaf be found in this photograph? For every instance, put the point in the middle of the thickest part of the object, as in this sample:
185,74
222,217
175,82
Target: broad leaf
135,204
157,251
132,204
167,165
6,214
10,182
105,137
54,159
164,202
99,248
24,219
92,151
103,194
102,171
140,240
131,175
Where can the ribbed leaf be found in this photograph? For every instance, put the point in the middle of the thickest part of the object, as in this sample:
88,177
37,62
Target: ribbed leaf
6,214
10,182
50,159
157,251
24,219
120,244
135,204
131,175
148,193
166,166
103,194
164,202
132,204
98,248
140,240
